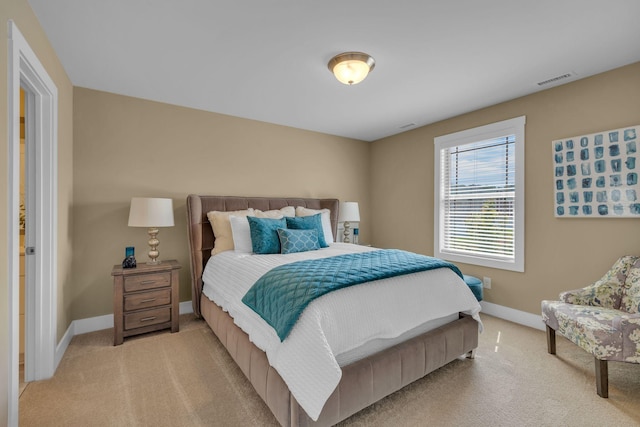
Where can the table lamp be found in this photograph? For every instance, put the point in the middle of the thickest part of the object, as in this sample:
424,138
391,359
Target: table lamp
152,213
349,212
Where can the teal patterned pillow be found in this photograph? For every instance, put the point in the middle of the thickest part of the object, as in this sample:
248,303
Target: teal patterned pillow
313,222
264,237
293,241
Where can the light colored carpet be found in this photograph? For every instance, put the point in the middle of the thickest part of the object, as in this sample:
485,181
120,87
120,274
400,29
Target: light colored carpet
188,379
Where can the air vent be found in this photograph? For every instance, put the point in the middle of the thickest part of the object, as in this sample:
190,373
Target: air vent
555,79
407,126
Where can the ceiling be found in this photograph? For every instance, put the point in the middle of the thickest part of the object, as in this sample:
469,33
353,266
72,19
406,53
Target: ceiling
267,59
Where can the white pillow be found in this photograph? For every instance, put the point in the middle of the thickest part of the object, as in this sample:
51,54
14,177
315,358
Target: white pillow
222,228
275,213
241,234
325,218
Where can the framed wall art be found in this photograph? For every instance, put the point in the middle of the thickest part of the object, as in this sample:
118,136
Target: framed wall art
596,175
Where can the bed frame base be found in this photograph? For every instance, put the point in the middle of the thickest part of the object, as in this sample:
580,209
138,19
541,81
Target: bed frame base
363,382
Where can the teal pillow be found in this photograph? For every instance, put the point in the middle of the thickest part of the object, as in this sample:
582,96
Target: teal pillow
264,237
313,222
293,241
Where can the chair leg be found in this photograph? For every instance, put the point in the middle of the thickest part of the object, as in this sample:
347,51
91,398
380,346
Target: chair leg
551,340
602,378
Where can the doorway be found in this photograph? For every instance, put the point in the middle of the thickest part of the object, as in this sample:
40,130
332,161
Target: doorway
40,237
23,218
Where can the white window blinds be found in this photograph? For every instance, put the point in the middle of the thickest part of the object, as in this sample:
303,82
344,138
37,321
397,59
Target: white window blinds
478,198
479,195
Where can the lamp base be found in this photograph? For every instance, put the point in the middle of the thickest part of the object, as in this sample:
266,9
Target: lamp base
153,246
346,233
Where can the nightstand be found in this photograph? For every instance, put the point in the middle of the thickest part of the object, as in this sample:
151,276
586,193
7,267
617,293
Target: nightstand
145,299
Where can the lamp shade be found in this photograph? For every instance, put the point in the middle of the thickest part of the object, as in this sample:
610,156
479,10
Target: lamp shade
151,212
349,212
351,68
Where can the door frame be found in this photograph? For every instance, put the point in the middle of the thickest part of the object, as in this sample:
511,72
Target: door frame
41,148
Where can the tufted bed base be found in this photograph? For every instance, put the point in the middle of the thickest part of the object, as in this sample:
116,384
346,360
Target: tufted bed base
363,382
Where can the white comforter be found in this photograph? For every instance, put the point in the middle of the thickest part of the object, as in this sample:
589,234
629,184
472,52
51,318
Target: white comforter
336,323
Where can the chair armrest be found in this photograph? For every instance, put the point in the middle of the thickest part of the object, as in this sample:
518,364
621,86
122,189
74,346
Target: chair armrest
629,326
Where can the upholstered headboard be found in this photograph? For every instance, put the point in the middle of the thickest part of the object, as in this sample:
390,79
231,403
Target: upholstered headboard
201,237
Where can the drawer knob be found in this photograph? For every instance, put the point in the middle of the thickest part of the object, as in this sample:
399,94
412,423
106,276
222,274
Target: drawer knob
147,319
147,282
147,300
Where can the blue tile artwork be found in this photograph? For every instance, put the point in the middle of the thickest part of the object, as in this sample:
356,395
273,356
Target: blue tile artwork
585,168
614,150
613,136
616,165
596,175
584,154
573,197
599,152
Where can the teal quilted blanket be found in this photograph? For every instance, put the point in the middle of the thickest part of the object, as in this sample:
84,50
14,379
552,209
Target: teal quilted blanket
281,294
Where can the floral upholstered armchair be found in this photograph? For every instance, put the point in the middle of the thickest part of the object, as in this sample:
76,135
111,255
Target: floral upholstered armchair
603,318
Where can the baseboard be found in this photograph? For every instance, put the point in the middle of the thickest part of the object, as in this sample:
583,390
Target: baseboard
62,346
513,315
92,324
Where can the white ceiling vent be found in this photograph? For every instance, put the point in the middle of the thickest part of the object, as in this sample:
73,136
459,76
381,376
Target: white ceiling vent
556,79
407,126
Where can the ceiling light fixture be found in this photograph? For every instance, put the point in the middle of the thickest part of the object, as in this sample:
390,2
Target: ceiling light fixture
351,68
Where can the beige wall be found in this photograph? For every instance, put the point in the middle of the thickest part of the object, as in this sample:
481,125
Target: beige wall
20,12
126,147
560,254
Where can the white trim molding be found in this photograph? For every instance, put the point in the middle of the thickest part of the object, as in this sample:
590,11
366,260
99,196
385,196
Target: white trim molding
516,316
98,323
26,71
514,126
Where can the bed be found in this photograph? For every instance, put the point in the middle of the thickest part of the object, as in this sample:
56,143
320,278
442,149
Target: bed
364,380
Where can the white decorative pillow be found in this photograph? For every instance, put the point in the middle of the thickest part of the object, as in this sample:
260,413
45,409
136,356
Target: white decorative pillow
222,229
276,213
325,218
241,234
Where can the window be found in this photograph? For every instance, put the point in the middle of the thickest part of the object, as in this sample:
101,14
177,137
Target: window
479,195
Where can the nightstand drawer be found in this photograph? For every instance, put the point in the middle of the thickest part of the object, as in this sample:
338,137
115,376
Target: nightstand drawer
144,318
147,281
147,299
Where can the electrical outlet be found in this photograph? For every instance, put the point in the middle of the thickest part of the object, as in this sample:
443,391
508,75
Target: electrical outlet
486,282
